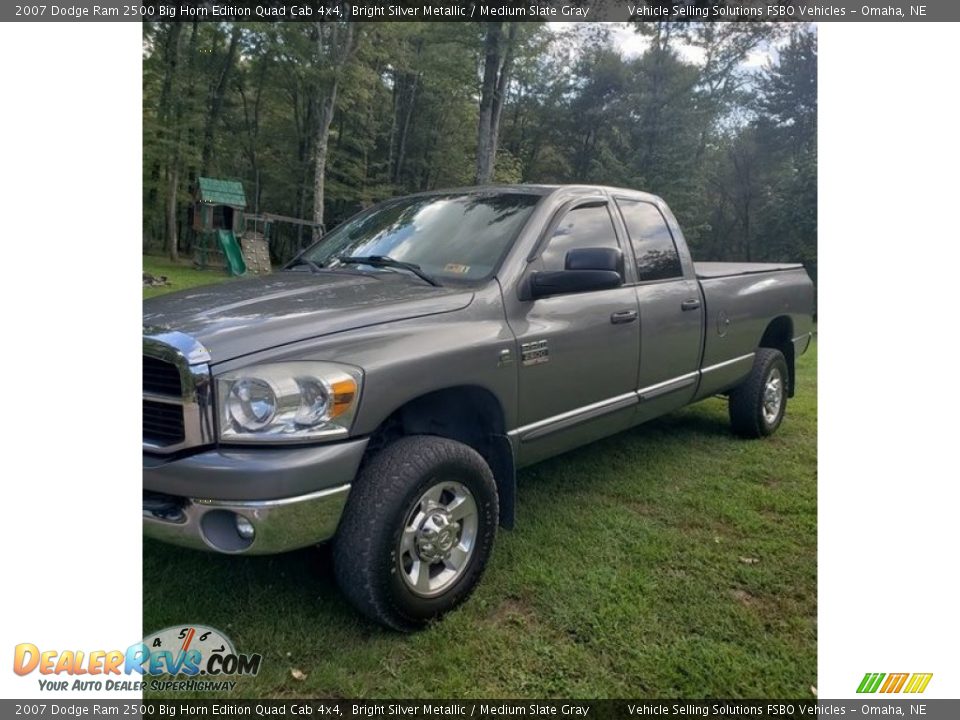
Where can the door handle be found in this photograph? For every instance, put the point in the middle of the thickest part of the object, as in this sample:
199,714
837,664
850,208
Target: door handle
691,304
623,316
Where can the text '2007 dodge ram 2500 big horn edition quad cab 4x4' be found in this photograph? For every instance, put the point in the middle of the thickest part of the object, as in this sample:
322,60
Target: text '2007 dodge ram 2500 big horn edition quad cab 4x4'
382,390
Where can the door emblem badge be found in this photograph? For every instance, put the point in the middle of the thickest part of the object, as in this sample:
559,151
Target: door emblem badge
534,353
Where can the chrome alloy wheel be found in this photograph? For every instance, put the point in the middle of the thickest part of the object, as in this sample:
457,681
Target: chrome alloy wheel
772,396
438,539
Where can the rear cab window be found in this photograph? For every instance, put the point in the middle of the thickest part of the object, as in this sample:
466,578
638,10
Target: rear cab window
653,245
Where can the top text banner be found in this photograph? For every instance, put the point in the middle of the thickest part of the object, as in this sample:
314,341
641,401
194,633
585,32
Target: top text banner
479,11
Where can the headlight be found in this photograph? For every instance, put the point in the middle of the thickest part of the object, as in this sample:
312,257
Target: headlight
288,402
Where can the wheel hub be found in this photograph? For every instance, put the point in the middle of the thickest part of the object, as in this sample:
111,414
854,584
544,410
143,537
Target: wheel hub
772,396
436,536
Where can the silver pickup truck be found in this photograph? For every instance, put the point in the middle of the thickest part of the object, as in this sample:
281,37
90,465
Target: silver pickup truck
384,388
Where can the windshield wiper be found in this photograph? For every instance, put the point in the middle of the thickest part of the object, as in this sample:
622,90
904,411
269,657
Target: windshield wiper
388,262
314,268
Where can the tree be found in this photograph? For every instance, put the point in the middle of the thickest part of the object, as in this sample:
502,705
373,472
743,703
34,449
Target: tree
217,94
497,62
335,45
787,121
788,90
171,113
320,120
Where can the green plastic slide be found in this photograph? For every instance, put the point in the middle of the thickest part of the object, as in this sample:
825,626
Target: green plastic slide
232,252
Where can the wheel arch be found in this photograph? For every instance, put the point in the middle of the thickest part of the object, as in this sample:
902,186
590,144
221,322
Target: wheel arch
470,414
778,335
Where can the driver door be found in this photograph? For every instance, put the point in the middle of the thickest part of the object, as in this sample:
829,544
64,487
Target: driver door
578,353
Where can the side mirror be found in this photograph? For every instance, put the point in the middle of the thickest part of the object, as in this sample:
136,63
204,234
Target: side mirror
563,282
587,269
595,259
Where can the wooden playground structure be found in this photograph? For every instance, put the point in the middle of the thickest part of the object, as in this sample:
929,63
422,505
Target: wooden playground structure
229,239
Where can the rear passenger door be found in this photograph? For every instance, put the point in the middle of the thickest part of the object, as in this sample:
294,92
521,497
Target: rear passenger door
671,312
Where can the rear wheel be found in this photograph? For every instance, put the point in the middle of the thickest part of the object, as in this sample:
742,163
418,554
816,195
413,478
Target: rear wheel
757,405
417,531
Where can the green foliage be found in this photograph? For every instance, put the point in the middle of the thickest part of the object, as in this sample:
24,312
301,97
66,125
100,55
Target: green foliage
732,150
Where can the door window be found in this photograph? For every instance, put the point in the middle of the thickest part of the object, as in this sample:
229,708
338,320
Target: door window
656,253
582,227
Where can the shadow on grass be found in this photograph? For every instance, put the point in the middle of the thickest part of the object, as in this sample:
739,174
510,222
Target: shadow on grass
656,438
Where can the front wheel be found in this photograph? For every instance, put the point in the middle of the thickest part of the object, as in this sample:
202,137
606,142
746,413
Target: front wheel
417,531
758,404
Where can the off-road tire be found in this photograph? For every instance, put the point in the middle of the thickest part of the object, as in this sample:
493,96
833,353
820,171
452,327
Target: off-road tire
746,402
365,549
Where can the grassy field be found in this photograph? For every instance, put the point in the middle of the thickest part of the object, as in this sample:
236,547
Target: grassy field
181,275
669,561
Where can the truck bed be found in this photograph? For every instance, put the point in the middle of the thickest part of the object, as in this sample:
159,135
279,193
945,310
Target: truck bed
709,270
740,302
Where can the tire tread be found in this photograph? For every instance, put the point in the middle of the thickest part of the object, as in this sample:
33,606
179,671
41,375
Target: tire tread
746,399
367,522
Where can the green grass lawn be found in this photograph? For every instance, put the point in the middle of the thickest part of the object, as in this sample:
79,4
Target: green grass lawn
180,275
673,560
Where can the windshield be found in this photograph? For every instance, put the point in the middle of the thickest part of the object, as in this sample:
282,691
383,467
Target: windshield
454,236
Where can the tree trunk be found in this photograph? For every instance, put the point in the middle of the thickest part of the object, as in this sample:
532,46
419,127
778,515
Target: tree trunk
497,64
171,48
155,203
405,129
188,172
172,113
341,49
173,187
216,101
320,152
491,69
391,148
500,97
251,119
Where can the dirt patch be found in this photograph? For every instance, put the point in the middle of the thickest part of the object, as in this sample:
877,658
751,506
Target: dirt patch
642,508
743,597
513,612
710,527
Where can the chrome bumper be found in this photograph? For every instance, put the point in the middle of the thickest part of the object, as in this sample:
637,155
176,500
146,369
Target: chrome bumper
277,525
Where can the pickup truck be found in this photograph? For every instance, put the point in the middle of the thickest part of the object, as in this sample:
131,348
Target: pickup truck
382,390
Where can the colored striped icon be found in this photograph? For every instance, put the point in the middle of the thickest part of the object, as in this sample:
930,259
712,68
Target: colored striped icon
918,682
894,682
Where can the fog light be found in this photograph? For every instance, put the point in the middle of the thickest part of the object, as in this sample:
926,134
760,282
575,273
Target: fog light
245,528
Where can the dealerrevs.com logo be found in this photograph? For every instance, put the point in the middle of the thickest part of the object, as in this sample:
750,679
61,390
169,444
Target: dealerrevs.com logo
894,682
190,657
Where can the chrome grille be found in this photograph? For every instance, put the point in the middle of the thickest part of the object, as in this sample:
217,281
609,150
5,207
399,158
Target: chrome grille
161,377
162,423
177,407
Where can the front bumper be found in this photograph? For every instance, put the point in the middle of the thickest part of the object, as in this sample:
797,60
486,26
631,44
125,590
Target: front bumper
277,525
287,498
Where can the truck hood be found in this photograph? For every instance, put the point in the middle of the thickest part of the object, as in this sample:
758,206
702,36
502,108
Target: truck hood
246,316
